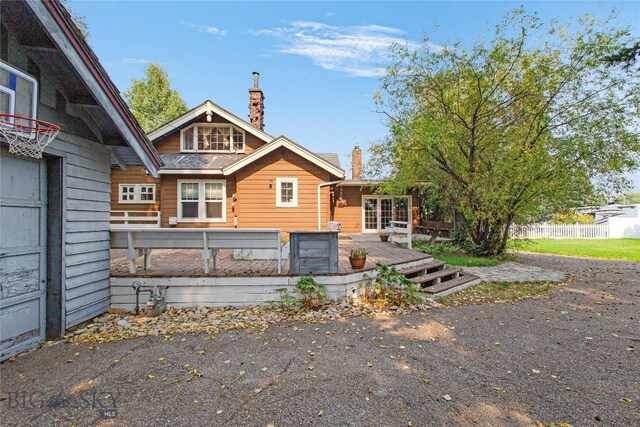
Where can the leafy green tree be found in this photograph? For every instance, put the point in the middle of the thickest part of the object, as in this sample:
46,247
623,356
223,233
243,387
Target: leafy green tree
519,123
151,99
628,199
627,56
79,20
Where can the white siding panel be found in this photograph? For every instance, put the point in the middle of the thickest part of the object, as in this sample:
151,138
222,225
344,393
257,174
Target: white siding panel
87,202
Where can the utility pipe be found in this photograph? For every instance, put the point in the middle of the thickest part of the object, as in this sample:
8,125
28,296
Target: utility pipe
323,184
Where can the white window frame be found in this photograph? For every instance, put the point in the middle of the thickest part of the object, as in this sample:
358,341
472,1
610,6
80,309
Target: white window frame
202,205
12,94
379,210
193,129
137,194
279,202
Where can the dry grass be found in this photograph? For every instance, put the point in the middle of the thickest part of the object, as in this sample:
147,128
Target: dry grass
498,292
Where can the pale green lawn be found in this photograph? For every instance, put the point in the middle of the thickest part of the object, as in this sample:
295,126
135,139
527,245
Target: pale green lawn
627,249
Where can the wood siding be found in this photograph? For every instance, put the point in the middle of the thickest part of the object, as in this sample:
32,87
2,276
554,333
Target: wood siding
132,175
350,216
170,144
257,201
86,201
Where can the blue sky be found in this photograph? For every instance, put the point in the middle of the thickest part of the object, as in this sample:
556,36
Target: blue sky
319,92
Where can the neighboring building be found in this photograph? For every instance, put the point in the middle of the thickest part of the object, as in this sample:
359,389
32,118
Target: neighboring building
54,211
222,171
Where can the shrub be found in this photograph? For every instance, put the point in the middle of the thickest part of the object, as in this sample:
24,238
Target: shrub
571,217
390,287
286,299
313,294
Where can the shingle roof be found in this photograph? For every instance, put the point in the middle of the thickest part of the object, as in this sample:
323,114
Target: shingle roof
195,160
199,160
332,158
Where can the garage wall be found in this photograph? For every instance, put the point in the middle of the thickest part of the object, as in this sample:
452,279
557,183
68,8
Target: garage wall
86,205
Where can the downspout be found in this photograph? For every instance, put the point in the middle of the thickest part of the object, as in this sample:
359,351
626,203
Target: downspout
323,184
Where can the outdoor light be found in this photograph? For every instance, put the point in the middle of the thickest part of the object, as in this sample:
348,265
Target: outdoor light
270,183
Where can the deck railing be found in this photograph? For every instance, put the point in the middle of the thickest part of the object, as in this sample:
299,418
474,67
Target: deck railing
135,219
400,232
559,231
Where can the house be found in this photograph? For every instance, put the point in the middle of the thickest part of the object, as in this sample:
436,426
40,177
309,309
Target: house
222,171
54,210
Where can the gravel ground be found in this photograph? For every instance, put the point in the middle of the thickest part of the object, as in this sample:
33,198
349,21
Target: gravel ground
572,357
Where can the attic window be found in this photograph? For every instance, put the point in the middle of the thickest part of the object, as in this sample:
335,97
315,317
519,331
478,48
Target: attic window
212,138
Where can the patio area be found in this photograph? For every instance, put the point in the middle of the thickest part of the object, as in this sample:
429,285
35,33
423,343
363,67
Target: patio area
188,263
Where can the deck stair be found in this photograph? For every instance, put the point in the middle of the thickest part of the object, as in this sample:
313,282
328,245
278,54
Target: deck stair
438,279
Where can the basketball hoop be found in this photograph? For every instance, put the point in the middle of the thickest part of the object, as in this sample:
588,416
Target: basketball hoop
27,136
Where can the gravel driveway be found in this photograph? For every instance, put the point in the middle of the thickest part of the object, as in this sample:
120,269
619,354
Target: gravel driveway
572,357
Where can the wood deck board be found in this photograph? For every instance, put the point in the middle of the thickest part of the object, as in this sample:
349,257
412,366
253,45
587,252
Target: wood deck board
189,263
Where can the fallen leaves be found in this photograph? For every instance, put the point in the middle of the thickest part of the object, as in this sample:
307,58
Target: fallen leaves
118,326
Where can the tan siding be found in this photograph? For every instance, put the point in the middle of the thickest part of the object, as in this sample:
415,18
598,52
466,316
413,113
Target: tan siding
350,216
132,175
257,201
171,142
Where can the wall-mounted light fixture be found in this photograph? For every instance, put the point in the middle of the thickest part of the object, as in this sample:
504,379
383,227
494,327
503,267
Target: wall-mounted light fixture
270,183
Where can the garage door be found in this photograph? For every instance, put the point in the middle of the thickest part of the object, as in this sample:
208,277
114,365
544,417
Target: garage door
23,215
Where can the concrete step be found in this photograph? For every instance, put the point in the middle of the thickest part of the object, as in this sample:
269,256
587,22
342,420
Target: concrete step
436,277
451,286
423,268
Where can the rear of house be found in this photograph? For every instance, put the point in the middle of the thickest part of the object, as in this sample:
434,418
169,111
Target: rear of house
54,210
221,171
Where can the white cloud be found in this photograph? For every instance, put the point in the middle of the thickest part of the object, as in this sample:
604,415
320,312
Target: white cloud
206,29
360,51
134,61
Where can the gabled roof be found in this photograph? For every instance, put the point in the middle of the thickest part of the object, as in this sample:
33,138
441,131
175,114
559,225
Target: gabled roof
283,141
60,27
204,108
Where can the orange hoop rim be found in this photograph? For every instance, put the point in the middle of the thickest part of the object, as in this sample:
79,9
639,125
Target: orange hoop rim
41,125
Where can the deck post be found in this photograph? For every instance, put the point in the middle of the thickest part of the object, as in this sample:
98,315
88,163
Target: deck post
205,252
279,237
131,253
147,259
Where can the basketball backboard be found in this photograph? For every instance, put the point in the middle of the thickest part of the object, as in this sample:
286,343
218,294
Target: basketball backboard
18,92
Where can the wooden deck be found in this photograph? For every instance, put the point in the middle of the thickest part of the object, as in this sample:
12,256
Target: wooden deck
188,263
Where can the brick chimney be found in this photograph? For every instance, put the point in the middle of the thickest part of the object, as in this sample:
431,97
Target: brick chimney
356,163
256,103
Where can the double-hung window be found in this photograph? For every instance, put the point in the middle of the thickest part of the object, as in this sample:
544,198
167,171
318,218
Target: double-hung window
201,201
137,193
286,192
212,138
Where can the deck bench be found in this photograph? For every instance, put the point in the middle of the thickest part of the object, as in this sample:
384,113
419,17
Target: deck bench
141,241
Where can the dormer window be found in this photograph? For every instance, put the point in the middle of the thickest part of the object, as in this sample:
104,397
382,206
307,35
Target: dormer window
212,138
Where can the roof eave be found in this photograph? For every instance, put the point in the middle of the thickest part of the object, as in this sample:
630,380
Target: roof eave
198,111
53,16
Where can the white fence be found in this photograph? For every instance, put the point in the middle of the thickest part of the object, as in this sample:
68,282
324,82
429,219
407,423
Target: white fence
400,232
135,219
559,231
